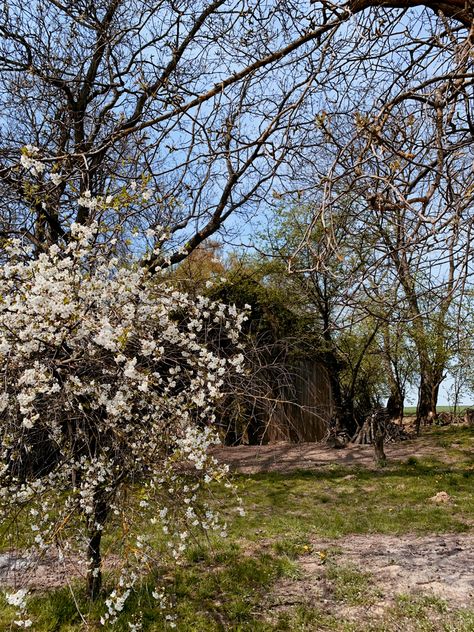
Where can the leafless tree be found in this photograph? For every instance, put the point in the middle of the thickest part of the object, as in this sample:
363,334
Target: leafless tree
205,103
192,101
183,113
395,142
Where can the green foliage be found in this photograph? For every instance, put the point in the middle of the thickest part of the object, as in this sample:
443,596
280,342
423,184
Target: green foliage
350,334
275,314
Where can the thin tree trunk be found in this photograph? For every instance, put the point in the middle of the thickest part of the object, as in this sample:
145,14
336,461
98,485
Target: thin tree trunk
379,436
379,453
423,408
96,523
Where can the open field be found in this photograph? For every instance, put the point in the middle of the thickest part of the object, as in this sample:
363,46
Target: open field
411,410
333,544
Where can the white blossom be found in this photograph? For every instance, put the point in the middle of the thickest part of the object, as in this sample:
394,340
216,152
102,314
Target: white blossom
17,599
92,353
30,163
56,178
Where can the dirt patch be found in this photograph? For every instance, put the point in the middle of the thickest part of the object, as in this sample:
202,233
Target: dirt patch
286,457
440,565
51,570
437,565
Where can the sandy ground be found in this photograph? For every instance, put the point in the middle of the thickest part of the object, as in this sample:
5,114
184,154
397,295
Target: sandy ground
435,565
47,572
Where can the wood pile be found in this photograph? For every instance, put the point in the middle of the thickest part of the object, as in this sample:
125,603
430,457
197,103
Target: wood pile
445,419
469,416
378,422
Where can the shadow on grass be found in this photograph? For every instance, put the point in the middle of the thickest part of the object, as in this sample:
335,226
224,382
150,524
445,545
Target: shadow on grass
213,591
410,468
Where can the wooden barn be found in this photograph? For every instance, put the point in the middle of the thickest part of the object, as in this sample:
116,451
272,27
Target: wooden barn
305,415
295,408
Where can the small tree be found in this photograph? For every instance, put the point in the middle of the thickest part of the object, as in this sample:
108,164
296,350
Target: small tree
109,378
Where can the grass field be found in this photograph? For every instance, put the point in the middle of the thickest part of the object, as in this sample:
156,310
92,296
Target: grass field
411,410
228,584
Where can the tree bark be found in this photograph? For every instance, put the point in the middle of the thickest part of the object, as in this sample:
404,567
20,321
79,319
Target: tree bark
395,403
459,10
342,413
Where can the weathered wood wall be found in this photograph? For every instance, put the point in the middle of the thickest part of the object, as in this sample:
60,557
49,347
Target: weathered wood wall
307,409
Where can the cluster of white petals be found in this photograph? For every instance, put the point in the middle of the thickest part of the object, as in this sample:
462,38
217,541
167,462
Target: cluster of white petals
109,377
30,162
18,601
92,202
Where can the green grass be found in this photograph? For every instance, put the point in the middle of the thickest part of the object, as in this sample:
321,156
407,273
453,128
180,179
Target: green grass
411,410
389,500
223,585
350,585
222,590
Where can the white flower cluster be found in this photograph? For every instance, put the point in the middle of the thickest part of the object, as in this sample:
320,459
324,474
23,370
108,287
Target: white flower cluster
56,179
109,376
18,600
117,598
138,188
92,202
30,162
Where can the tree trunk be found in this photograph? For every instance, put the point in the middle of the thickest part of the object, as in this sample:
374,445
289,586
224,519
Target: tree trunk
343,413
379,436
427,398
96,523
395,403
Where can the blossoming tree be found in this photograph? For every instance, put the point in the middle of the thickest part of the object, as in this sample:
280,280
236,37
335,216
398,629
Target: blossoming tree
109,377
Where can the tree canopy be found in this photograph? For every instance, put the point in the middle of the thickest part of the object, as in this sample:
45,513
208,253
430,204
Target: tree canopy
184,113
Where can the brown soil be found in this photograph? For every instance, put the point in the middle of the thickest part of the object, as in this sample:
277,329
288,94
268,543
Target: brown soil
17,571
48,571
286,457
